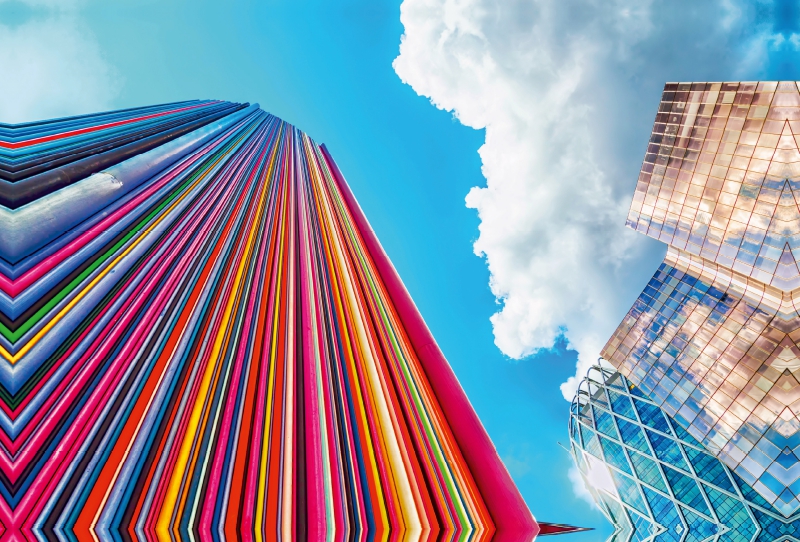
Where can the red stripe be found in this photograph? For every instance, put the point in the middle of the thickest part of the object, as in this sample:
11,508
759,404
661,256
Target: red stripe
54,137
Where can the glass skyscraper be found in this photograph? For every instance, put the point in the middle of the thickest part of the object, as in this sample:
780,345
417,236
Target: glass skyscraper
714,339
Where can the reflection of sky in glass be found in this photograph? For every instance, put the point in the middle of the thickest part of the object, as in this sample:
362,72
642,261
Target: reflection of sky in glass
719,177
653,480
722,365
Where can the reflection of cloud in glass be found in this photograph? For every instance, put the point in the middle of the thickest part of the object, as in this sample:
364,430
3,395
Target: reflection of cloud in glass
598,477
54,62
714,339
720,176
717,356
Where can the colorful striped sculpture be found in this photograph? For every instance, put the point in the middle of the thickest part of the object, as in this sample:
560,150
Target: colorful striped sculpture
201,338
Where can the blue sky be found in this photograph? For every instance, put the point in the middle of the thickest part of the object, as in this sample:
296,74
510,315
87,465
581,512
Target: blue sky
568,91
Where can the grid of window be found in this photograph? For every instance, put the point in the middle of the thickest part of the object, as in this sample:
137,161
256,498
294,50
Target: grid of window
714,356
719,177
693,498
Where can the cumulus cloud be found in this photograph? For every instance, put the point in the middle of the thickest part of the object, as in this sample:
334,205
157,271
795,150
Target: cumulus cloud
50,65
567,92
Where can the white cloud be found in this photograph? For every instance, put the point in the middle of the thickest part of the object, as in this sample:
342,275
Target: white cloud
579,486
51,66
567,92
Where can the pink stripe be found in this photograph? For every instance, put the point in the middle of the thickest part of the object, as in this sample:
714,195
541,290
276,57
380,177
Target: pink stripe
218,466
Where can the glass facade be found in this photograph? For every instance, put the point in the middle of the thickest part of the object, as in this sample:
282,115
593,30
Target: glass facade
724,365
719,177
653,480
714,339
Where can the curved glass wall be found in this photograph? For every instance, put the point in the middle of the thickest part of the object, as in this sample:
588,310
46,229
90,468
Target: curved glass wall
653,480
